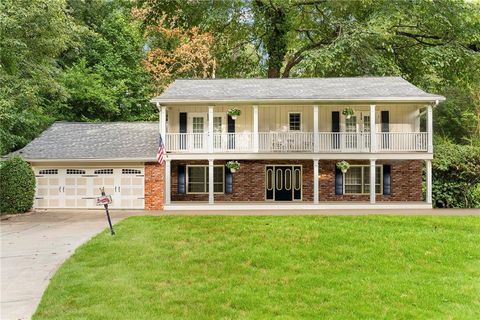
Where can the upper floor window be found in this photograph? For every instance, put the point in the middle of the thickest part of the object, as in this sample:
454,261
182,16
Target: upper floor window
295,121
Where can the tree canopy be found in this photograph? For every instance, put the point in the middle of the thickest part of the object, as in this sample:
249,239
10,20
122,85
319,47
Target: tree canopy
101,60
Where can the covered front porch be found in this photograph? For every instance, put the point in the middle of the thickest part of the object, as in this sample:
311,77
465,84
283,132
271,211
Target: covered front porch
266,184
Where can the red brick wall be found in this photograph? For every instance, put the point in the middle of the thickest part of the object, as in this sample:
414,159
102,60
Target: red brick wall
154,197
406,182
249,181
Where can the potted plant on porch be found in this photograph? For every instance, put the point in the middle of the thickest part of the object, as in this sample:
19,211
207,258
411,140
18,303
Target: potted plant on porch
233,166
234,113
343,166
348,112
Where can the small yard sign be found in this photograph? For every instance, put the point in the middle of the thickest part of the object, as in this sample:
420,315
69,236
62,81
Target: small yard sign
104,200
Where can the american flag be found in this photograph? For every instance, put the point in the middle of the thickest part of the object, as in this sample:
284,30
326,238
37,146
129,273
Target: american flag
161,151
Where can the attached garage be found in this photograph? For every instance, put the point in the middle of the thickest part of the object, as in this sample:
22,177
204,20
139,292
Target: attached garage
72,161
78,187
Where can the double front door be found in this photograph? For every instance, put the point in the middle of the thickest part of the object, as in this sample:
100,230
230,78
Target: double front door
283,182
357,131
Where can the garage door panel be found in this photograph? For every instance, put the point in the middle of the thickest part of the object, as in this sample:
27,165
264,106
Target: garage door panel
79,187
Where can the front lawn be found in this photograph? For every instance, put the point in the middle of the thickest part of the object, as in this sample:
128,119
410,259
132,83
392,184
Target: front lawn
264,267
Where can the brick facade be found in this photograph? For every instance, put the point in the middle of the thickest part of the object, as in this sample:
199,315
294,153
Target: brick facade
154,186
249,181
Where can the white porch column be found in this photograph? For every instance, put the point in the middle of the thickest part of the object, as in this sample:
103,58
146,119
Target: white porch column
315,129
372,181
210,129
163,122
168,175
429,129
255,128
210,182
429,181
373,129
315,181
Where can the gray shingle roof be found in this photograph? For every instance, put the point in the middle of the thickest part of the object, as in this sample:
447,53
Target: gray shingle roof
80,140
316,89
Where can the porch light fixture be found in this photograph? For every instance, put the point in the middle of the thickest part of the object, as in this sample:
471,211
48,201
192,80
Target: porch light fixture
343,166
234,113
233,166
348,112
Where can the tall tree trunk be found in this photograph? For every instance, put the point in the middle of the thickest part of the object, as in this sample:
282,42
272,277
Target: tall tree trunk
276,29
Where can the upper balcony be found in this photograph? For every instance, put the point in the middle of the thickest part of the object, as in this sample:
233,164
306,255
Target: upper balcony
390,115
303,142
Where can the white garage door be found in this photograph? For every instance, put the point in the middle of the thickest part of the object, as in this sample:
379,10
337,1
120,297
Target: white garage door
79,187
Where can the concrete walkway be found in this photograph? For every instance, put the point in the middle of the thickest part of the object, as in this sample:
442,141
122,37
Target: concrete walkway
34,245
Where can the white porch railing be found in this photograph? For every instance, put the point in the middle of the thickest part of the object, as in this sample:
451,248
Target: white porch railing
273,142
402,141
285,142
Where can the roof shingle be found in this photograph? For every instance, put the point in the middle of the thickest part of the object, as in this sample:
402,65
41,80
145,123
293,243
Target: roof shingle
81,140
375,88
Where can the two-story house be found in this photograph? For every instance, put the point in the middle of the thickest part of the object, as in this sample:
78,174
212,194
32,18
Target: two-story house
288,139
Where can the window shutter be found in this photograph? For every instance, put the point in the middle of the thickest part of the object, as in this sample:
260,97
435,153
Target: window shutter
181,180
228,181
183,129
231,129
336,128
385,121
387,179
338,181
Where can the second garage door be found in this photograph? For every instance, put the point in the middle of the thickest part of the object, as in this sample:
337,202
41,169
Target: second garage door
79,187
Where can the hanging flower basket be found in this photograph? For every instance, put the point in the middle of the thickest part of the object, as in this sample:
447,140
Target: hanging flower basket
233,166
348,112
234,113
343,166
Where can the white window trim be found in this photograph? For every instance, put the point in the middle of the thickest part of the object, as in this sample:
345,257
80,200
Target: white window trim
206,177
301,121
363,171
190,116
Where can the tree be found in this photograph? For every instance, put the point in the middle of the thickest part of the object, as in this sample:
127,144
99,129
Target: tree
34,33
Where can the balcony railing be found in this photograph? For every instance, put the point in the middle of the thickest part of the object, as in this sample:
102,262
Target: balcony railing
275,142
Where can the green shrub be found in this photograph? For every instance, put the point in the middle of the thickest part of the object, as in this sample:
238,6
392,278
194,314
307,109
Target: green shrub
456,176
17,186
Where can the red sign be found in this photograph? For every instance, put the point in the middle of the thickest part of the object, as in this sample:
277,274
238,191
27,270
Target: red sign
104,200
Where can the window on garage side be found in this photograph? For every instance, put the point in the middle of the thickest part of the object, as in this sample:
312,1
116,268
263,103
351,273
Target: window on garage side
103,171
197,179
48,171
75,171
131,171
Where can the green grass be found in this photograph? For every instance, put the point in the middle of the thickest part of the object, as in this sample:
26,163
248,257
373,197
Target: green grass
264,267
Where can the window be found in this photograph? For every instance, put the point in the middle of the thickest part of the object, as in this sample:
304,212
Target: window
48,171
357,180
197,179
104,171
131,171
295,121
75,171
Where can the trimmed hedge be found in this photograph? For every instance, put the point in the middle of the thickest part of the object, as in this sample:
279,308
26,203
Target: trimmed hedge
17,186
456,176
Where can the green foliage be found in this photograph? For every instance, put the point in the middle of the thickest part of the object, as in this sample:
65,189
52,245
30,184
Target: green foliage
33,34
456,176
17,186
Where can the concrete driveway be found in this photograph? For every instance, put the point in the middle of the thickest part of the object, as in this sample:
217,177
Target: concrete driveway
34,245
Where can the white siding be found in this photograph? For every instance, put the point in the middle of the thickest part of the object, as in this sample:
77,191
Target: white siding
403,118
